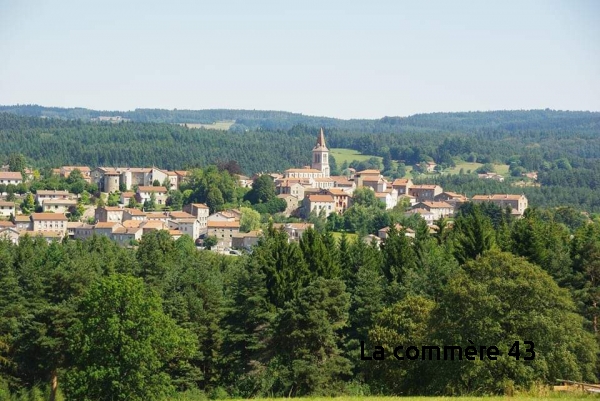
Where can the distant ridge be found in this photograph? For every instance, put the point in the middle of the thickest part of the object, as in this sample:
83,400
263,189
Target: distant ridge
277,120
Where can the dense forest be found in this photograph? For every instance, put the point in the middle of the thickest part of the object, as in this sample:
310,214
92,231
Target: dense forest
272,120
563,147
97,321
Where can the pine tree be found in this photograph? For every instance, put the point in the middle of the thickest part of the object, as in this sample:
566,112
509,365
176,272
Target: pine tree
320,260
307,341
473,235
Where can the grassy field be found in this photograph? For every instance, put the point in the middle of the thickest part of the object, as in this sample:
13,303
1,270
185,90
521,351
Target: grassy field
549,397
220,125
501,169
349,155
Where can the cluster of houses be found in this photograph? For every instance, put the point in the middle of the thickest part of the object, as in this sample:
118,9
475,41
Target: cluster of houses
312,189
306,190
126,226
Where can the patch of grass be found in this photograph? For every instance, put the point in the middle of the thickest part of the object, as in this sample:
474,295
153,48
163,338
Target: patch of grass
349,155
218,125
408,173
549,397
352,237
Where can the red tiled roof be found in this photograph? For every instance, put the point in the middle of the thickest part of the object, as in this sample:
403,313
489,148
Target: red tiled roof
320,198
144,188
10,175
224,224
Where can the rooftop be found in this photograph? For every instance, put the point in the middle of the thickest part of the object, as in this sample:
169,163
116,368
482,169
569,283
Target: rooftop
107,224
51,192
10,175
223,224
49,217
303,170
436,205
497,197
181,215
320,198
425,186
144,188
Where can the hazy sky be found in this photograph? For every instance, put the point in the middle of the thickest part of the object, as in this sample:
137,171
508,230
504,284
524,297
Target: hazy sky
347,59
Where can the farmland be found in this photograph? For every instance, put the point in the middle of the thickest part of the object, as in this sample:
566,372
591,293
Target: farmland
501,169
348,155
218,125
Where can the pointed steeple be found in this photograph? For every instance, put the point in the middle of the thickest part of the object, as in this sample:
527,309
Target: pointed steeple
321,141
320,160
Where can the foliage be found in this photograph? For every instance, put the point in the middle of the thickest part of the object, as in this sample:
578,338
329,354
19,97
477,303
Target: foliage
121,344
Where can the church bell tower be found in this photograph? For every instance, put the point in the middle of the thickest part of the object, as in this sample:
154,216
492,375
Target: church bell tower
320,160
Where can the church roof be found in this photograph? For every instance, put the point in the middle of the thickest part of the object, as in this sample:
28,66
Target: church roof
320,142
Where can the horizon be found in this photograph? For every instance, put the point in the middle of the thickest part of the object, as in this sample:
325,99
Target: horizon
347,61
298,113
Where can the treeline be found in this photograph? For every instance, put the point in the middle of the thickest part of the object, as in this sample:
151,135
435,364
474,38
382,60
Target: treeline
101,322
510,120
563,147
582,196
53,143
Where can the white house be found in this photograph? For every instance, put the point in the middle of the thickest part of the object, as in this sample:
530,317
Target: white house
7,209
11,177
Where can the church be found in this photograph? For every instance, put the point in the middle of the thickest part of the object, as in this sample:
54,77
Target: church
320,163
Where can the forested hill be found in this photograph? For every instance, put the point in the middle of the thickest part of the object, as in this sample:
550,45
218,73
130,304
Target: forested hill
271,120
563,147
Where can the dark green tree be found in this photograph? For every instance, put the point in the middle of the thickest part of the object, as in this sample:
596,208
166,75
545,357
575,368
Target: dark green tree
122,343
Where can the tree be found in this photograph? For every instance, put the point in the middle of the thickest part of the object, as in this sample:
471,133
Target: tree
366,197
114,199
306,339
156,183
231,166
75,176
585,280
319,258
387,162
399,257
250,220
473,235
282,264
404,322
28,205
499,299
214,200
16,162
175,199
132,204
486,168
263,190
101,202
210,241
248,321
121,343
85,198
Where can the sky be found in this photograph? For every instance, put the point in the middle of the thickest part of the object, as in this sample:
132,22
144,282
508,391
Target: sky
345,59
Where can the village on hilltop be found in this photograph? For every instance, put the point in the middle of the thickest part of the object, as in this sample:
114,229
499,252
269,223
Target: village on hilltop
308,190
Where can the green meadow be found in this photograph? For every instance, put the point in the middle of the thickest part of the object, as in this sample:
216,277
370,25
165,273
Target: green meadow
341,155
